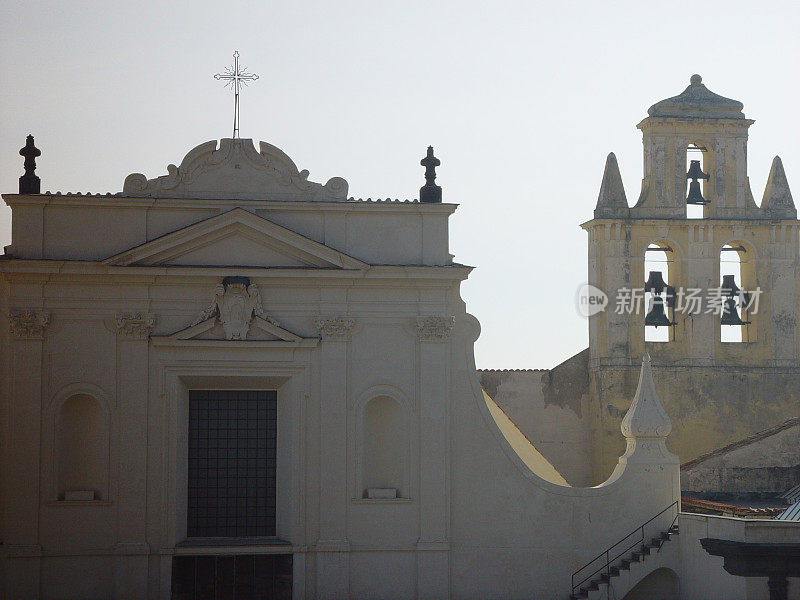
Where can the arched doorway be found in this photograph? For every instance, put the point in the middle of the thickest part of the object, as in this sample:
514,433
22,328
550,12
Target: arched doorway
661,584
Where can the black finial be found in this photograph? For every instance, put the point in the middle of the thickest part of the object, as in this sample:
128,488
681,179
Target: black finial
29,183
430,192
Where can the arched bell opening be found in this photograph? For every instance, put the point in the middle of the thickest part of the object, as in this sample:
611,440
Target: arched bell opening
697,157
738,302
659,294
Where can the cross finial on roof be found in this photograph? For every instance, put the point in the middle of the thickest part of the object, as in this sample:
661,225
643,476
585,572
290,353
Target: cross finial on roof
29,183
430,192
235,78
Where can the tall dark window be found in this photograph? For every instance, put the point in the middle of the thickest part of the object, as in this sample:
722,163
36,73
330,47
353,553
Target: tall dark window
232,439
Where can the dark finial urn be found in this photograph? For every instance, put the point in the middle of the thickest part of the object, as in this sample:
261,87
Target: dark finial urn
430,192
29,183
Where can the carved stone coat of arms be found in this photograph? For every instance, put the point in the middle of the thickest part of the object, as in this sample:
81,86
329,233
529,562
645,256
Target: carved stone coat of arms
235,302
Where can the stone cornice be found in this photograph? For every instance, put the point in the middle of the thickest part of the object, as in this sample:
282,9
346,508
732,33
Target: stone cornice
28,324
711,124
32,268
104,201
765,220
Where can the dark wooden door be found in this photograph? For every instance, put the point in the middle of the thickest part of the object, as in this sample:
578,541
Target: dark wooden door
233,577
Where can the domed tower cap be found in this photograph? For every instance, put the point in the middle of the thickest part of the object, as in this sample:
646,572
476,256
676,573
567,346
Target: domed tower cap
698,102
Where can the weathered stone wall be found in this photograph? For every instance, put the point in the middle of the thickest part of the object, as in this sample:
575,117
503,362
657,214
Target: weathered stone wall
765,464
709,407
550,407
573,415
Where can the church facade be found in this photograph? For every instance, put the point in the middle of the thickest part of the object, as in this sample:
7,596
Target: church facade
230,381
232,373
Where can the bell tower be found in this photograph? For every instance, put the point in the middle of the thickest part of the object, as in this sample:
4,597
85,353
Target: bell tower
717,284
715,126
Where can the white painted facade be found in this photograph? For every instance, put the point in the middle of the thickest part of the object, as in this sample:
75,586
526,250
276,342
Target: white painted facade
351,311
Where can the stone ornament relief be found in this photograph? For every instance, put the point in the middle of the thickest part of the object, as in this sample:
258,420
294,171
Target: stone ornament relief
236,169
236,301
135,325
434,328
28,324
334,328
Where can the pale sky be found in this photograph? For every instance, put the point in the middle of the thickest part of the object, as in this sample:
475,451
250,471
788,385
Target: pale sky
521,100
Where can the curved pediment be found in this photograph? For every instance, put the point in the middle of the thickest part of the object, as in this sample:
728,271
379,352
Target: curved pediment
236,170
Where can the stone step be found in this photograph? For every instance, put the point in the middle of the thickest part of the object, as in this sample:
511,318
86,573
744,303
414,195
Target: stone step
625,564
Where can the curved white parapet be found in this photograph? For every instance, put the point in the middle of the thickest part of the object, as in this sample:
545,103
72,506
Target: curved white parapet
645,428
532,458
236,170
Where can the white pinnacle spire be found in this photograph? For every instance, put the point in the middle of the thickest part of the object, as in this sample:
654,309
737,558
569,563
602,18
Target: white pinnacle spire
646,417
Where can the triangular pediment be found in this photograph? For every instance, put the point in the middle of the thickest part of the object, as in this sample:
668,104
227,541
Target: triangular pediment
259,330
235,317
261,333
236,238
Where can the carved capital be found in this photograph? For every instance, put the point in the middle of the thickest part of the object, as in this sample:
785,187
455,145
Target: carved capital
434,328
28,324
335,328
135,325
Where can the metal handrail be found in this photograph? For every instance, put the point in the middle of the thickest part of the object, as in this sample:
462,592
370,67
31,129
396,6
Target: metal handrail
607,553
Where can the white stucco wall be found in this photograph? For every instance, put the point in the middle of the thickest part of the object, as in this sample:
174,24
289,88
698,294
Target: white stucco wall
702,576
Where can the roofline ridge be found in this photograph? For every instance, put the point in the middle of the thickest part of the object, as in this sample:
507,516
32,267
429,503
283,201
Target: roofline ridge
759,435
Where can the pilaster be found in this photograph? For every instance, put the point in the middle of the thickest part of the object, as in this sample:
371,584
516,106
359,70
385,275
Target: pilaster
131,561
433,333
703,274
22,455
332,546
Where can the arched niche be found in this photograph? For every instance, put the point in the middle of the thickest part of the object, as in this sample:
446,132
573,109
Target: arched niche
81,448
383,448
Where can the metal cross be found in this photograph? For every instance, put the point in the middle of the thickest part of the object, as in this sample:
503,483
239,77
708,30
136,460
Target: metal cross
234,78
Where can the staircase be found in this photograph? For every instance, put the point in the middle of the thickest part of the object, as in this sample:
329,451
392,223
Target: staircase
627,554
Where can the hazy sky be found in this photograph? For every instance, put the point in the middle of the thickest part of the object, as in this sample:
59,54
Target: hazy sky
522,101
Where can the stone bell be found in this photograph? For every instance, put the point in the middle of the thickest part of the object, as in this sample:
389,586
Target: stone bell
657,315
695,195
730,312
